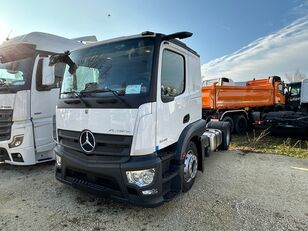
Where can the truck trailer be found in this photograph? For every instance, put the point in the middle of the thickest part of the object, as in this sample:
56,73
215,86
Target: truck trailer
29,91
129,119
242,105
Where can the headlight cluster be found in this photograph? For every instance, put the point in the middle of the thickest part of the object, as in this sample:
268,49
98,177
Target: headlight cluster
141,177
17,141
58,161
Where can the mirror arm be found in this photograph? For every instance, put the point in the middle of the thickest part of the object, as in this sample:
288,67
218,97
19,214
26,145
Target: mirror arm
64,58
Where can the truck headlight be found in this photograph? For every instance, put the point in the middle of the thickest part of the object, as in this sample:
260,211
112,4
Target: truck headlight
58,161
17,141
141,177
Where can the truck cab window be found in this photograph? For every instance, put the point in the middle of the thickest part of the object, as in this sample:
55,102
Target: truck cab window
172,74
121,67
59,71
280,89
295,91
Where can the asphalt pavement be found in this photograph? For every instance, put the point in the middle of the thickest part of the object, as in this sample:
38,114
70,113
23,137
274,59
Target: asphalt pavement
236,192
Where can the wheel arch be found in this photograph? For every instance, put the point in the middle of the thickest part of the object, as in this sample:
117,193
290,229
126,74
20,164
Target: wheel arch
192,133
234,112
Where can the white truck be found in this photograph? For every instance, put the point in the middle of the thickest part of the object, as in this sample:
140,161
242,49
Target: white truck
129,122
29,91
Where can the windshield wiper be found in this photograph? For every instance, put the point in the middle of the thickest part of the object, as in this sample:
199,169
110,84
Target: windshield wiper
115,93
4,83
77,94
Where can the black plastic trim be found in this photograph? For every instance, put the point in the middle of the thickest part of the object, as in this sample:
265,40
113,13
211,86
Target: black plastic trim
6,117
195,129
109,178
4,155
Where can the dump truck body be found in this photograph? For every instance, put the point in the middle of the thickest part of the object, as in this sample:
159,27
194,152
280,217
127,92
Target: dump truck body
242,105
257,93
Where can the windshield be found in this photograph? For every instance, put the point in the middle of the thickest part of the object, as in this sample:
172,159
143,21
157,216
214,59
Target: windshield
121,67
295,90
16,66
15,73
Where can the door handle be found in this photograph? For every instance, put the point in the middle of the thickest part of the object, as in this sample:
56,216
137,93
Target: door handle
186,118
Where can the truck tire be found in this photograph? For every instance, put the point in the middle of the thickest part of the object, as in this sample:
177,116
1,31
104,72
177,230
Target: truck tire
224,127
230,120
241,124
190,166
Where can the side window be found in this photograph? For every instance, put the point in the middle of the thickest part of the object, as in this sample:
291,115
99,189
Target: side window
172,74
281,88
39,77
59,72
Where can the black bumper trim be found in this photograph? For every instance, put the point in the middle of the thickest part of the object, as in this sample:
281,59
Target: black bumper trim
4,155
90,177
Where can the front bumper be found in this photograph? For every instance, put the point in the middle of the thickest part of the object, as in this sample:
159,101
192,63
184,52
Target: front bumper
23,154
109,178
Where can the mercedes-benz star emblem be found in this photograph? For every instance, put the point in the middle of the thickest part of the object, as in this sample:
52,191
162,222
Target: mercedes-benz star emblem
87,141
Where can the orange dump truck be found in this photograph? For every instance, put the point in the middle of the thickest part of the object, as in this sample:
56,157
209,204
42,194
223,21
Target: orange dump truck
242,105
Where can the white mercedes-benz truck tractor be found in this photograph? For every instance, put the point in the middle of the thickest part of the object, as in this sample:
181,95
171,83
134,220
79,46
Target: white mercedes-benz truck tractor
29,91
129,122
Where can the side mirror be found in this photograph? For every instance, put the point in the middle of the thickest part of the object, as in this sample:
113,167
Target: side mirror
48,73
167,99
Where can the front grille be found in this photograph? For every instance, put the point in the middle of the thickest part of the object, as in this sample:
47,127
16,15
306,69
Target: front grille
6,117
106,145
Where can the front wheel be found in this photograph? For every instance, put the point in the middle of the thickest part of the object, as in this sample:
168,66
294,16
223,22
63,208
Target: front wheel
190,166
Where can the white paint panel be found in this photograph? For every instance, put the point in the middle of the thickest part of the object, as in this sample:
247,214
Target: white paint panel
21,106
43,109
194,78
304,91
98,120
7,101
170,115
145,130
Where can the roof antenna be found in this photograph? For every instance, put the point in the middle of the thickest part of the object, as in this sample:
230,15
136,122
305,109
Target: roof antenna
8,36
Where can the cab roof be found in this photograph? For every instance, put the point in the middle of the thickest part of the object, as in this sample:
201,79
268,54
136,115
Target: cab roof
162,37
44,42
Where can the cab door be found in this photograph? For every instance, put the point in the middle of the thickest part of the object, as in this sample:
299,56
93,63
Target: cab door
173,114
43,106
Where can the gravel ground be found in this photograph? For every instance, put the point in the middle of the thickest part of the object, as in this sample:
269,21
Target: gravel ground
236,192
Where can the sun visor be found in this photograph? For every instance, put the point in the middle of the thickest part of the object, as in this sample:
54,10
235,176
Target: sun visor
16,51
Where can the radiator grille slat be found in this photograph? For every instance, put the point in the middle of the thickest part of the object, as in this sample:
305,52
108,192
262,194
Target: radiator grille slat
106,145
6,117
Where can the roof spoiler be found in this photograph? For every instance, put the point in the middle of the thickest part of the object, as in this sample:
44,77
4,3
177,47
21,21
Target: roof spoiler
86,39
178,35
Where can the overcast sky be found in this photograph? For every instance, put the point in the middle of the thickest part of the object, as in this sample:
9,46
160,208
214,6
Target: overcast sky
235,38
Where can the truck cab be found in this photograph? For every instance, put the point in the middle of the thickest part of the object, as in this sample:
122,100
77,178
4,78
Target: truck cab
293,96
218,82
29,90
129,118
295,115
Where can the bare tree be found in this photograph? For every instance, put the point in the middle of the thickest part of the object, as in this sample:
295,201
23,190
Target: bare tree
297,76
